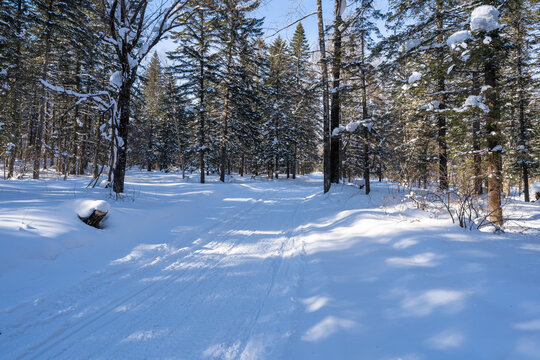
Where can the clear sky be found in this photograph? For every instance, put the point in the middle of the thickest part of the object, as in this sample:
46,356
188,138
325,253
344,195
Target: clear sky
280,13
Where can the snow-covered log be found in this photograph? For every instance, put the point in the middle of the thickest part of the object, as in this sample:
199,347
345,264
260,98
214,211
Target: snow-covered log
92,212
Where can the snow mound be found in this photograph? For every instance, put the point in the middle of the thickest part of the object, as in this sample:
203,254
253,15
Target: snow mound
458,38
416,76
86,207
105,184
485,18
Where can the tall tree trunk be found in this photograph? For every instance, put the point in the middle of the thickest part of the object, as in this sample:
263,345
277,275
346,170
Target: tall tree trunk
202,104
295,160
365,116
15,91
523,138
441,119
335,106
225,119
493,137
120,148
326,122
477,157
43,101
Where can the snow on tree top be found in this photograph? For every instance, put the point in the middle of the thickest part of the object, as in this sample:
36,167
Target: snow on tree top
411,44
476,101
458,38
416,76
485,18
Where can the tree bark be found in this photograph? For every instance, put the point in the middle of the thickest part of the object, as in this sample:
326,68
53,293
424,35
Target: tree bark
477,158
441,119
365,116
326,122
493,137
43,101
124,98
335,105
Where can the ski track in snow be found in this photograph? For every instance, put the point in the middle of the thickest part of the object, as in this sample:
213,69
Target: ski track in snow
260,270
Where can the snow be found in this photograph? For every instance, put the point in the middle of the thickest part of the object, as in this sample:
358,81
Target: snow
484,18
475,101
458,38
338,130
116,79
535,188
342,7
411,44
498,148
433,105
86,207
259,270
416,76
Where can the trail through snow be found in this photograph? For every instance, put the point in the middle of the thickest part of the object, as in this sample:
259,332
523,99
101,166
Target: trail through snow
257,270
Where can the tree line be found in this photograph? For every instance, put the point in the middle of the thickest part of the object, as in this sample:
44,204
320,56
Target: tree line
446,94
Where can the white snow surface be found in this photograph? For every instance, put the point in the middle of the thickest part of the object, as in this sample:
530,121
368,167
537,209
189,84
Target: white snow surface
484,18
257,269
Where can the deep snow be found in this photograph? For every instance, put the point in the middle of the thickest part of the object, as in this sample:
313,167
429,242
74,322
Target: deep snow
257,269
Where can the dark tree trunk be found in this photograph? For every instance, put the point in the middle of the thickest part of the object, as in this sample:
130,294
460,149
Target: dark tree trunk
242,164
335,105
365,115
523,136
441,119
326,122
477,158
493,138
295,160
43,100
15,91
120,147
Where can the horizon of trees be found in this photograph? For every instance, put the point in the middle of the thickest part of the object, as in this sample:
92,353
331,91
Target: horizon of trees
440,101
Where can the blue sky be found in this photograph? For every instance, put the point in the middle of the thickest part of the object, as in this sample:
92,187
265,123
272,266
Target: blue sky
279,13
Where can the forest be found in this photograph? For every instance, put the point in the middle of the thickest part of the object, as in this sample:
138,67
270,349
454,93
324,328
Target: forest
446,96
270,179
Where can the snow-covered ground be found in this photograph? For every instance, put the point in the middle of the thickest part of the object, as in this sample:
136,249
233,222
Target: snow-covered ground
257,269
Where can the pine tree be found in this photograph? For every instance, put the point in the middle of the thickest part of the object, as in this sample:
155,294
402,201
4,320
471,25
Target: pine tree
195,66
153,91
235,26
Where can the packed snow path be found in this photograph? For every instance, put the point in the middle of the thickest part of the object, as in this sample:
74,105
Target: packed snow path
257,270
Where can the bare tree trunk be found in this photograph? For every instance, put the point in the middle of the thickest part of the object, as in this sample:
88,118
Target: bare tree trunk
477,158
493,139
121,135
335,105
523,138
365,116
43,101
295,160
15,91
202,104
326,122
441,119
